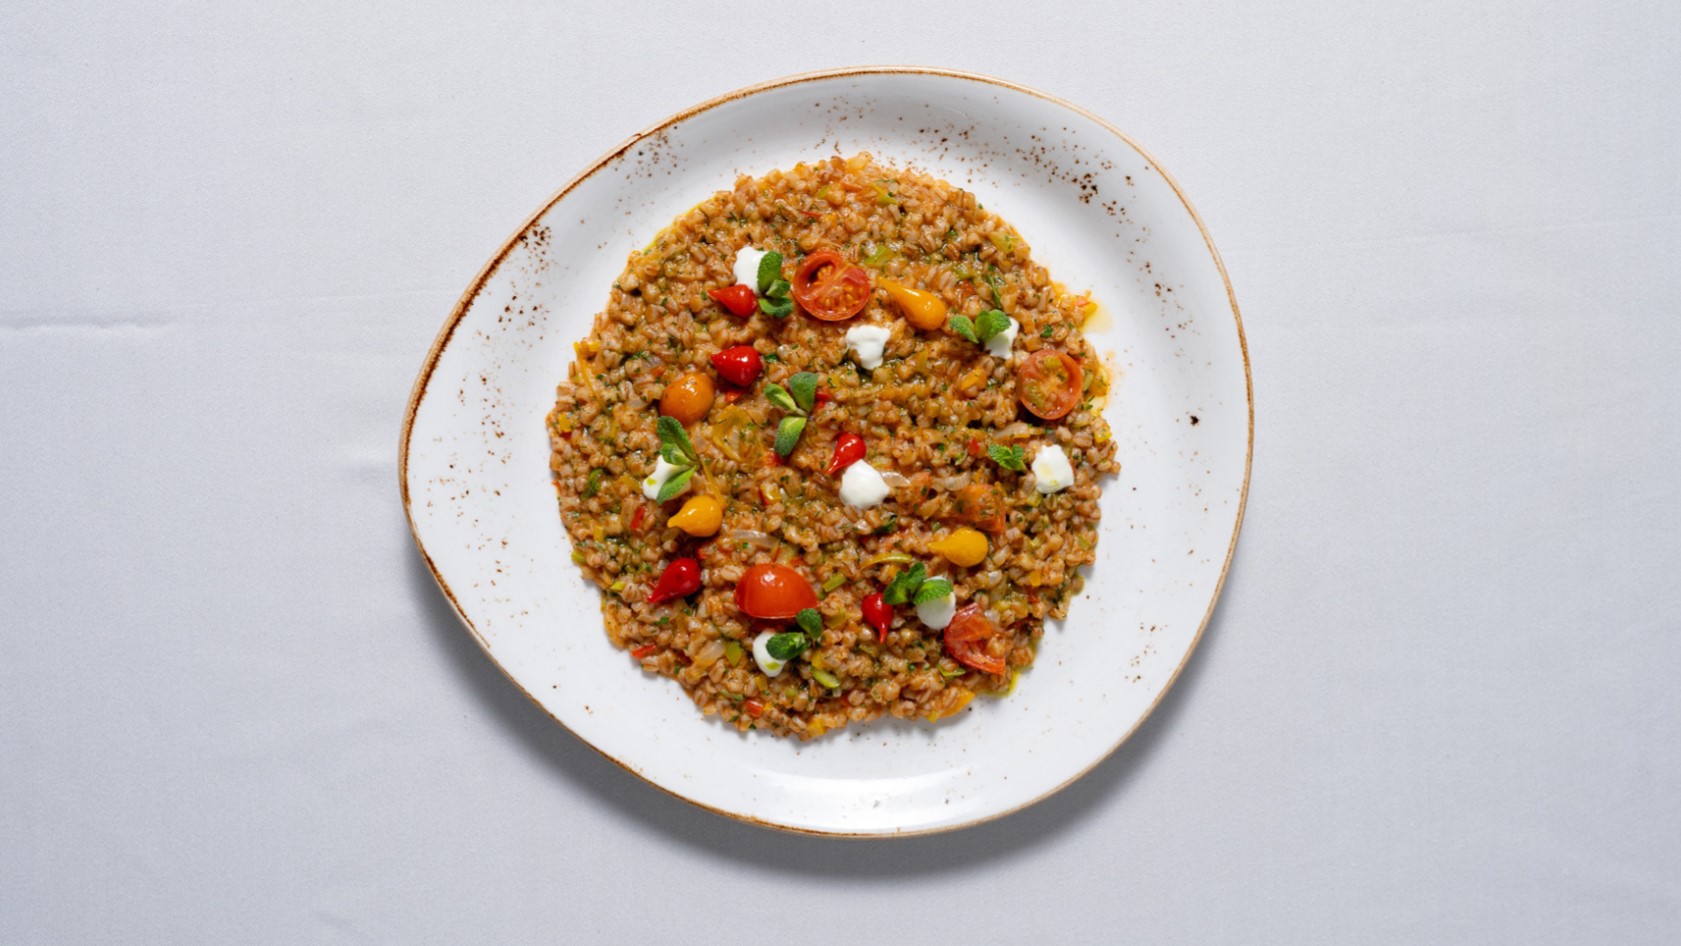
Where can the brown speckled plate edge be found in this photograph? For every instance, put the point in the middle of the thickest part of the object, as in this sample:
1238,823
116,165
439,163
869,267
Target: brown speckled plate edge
461,305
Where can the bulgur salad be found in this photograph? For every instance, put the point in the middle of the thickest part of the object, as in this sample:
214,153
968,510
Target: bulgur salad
833,450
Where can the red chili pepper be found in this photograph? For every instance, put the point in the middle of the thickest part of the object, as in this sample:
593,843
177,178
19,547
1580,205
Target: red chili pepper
739,299
771,459
754,708
974,447
878,613
849,449
680,579
636,520
823,397
733,394
643,651
739,365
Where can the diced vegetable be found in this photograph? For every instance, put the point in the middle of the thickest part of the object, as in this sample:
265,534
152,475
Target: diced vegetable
825,677
700,516
964,547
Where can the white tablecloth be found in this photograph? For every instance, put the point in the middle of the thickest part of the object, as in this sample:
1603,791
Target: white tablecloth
1438,701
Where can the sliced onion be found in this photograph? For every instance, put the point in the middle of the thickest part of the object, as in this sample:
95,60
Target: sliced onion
750,536
711,653
955,482
894,479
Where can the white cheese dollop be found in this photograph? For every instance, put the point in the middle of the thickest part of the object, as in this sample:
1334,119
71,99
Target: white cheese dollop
868,343
999,345
862,487
747,267
656,480
939,612
1052,469
761,655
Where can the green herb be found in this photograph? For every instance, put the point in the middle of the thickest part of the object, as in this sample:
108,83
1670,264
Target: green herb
932,590
1046,331
592,484
997,283
778,395
676,450
810,620
964,326
798,405
773,356
826,678
834,581
950,674
676,485
787,645
888,524
804,386
773,289
1010,458
905,584
990,323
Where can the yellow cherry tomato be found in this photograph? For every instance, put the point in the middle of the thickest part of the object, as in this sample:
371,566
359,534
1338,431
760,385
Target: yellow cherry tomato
688,398
965,547
924,310
700,516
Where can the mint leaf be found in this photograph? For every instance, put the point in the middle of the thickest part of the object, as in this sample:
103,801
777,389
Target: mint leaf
787,645
778,395
1010,458
962,325
788,434
671,432
990,323
932,590
770,270
904,584
804,385
675,485
777,308
673,454
810,620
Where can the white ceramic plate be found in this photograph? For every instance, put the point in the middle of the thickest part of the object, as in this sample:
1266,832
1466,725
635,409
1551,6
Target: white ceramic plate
1099,213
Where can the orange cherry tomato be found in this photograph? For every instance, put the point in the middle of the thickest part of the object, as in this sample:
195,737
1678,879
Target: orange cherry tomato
773,593
688,398
1049,383
830,288
980,507
967,639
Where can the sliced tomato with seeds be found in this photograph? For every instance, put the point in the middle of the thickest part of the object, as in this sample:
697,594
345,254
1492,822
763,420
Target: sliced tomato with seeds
830,288
1049,383
969,637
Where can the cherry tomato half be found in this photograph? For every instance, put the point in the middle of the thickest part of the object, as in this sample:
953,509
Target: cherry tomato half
773,593
967,639
830,288
1049,383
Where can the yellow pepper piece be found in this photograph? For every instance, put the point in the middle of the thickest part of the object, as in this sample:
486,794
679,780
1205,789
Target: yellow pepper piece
965,547
924,310
963,700
700,516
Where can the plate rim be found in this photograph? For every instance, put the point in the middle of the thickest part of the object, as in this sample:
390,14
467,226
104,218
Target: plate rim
423,379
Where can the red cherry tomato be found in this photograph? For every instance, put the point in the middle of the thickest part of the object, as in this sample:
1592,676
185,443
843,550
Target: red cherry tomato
830,288
849,449
967,637
739,365
739,299
680,579
773,593
879,614
1049,383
